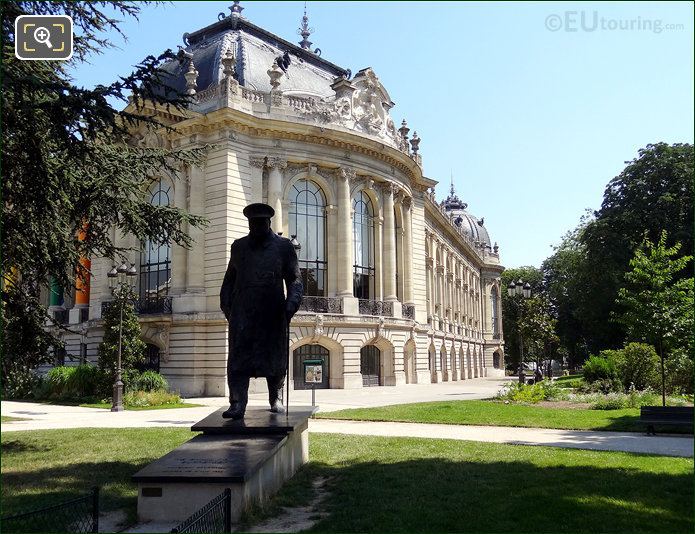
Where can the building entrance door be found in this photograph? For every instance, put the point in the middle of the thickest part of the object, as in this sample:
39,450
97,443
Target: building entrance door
310,352
370,366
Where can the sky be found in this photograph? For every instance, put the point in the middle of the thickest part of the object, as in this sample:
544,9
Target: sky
531,107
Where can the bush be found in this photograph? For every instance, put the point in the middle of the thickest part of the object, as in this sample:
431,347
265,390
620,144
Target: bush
639,366
150,381
19,383
633,399
71,382
605,385
600,368
141,399
540,391
679,373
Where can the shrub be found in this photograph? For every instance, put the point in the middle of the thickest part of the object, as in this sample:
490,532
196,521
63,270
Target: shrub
679,373
604,385
600,368
633,399
540,391
150,381
67,382
19,383
639,365
141,399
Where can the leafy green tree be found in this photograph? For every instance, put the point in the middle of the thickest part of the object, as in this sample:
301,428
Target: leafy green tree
656,304
565,276
132,346
537,326
510,307
70,163
653,193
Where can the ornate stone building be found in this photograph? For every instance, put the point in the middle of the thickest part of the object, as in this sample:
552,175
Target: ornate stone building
399,288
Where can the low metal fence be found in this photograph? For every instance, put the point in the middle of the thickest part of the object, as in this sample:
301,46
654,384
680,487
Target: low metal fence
76,515
214,517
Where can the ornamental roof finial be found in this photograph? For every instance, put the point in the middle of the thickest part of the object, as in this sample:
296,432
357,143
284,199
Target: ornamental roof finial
305,31
452,183
235,8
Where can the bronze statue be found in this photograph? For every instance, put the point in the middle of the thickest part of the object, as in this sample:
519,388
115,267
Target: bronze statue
253,301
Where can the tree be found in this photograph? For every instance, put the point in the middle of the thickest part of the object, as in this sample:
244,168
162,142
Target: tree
653,193
132,347
537,326
510,305
71,166
656,304
565,275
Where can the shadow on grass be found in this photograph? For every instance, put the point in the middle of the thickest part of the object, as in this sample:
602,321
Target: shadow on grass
440,495
9,447
33,489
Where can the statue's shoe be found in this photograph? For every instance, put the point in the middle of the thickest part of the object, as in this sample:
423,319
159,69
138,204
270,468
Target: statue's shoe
277,407
234,413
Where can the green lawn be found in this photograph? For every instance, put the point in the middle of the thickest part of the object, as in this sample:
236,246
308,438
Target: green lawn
387,484
496,413
107,405
569,381
8,419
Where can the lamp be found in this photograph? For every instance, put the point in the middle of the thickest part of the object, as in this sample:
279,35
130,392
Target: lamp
520,289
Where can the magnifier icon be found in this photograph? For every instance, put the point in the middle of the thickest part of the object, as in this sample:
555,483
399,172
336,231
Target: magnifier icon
42,35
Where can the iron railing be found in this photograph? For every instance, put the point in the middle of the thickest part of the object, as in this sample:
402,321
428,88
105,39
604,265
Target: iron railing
321,304
214,517
375,307
145,306
75,515
408,311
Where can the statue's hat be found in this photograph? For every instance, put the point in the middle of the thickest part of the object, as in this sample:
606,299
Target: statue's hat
258,210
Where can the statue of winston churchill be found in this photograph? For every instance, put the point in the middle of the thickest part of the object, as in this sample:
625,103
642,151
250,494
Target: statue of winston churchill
253,301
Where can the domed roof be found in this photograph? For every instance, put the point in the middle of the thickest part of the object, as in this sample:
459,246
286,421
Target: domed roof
254,50
470,224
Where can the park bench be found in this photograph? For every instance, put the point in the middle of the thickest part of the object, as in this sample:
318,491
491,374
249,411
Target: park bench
666,415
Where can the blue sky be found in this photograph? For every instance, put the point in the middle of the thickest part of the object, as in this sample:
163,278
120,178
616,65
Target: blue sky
532,111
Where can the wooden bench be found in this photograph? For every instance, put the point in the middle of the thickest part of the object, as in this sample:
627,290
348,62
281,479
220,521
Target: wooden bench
666,415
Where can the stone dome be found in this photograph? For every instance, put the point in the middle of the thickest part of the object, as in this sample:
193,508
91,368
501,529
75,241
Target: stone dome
470,224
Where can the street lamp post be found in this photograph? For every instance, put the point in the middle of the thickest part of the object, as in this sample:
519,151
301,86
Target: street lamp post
121,283
520,289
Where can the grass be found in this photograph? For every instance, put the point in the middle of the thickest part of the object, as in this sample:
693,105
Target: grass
386,484
42,467
426,485
107,405
496,413
8,419
569,381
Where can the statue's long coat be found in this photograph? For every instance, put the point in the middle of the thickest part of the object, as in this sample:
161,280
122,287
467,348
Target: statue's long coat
252,297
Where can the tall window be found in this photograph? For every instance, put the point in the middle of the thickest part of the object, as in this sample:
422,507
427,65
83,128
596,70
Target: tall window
155,259
495,311
363,240
308,223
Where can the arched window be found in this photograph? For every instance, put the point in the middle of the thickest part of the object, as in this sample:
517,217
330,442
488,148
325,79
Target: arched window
363,239
495,312
308,223
155,259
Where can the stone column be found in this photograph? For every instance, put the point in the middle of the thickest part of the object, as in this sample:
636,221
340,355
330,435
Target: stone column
276,165
388,257
179,255
256,164
195,264
407,252
344,241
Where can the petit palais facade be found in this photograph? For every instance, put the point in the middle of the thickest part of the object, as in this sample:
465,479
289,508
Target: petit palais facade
399,289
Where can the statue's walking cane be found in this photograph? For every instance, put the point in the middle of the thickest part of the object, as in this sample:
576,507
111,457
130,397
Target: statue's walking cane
287,348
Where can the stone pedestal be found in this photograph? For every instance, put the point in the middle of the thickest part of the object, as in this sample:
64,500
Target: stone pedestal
252,457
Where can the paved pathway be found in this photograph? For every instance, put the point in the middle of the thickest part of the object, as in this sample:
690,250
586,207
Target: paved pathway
44,416
573,439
